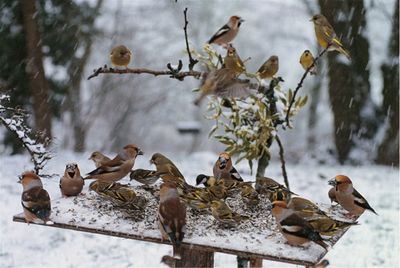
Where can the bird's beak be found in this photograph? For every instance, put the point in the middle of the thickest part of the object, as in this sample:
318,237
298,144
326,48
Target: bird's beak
140,152
90,158
241,20
222,162
332,182
311,19
19,181
151,161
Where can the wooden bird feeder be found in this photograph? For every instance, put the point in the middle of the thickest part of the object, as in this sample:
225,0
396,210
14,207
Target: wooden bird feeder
78,214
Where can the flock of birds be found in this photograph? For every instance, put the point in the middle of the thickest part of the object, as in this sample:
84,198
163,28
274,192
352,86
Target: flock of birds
299,220
223,81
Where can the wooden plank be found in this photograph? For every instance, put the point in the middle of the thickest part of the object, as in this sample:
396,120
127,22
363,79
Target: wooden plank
87,213
195,258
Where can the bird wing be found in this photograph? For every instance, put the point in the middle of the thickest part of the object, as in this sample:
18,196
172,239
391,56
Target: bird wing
172,216
109,167
223,30
235,174
330,33
361,201
37,201
295,225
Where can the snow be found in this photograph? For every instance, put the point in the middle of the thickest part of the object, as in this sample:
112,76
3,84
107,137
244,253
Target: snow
374,243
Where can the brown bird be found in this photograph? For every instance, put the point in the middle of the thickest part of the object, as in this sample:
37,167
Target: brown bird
269,68
172,217
144,176
225,214
222,83
272,189
71,183
169,261
99,159
118,167
223,168
249,195
120,56
35,200
166,169
326,35
233,61
323,264
294,228
332,195
348,197
227,32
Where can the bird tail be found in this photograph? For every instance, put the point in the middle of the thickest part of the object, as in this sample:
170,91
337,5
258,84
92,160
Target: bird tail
344,52
322,244
177,250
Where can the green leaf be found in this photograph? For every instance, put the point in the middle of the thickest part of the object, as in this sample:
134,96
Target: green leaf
213,129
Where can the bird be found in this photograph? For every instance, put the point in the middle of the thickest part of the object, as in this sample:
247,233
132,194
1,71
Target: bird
166,169
227,32
171,217
294,228
332,195
231,186
320,221
169,261
117,168
224,214
307,61
222,83
322,264
269,68
348,197
223,168
197,198
120,194
71,183
34,199
233,61
98,158
120,56
144,176
272,189
249,195
326,35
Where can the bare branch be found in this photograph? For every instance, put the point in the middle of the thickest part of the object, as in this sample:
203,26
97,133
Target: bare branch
300,84
192,62
283,163
172,73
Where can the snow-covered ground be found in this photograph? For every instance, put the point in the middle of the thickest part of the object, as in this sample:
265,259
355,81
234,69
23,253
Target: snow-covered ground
374,243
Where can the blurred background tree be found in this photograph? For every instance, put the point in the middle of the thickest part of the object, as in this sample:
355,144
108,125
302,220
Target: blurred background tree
46,33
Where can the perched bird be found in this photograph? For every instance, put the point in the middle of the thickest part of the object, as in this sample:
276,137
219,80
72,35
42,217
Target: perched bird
233,61
326,35
323,264
222,83
294,228
348,197
98,158
169,261
227,32
144,176
321,222
307,61
332,195
269,68
118,167
171,216
71,183
197,198
231,186
223,168
249,195
166,169
35,200
270,187
120,56
120,194
225,214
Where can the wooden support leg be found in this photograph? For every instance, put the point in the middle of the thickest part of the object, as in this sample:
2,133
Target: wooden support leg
195,258
256,262
242,262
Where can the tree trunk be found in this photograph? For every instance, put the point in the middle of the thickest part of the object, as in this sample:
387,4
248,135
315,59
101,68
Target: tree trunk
38,83
349,86
388,151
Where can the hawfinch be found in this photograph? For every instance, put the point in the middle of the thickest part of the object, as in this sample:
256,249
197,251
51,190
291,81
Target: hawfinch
171,216
71,183
348,197
227,32
35,200
117,168
223,168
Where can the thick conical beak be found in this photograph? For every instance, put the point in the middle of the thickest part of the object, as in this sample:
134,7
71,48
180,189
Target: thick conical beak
222,162
140,152
311,19
332,182
241,20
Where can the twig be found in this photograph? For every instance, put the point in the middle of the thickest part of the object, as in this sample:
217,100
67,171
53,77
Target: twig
300,84
283,163
192,62
172,74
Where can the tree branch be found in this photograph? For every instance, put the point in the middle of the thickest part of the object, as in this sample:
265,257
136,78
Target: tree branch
172,73
192,62
283,163
300,84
